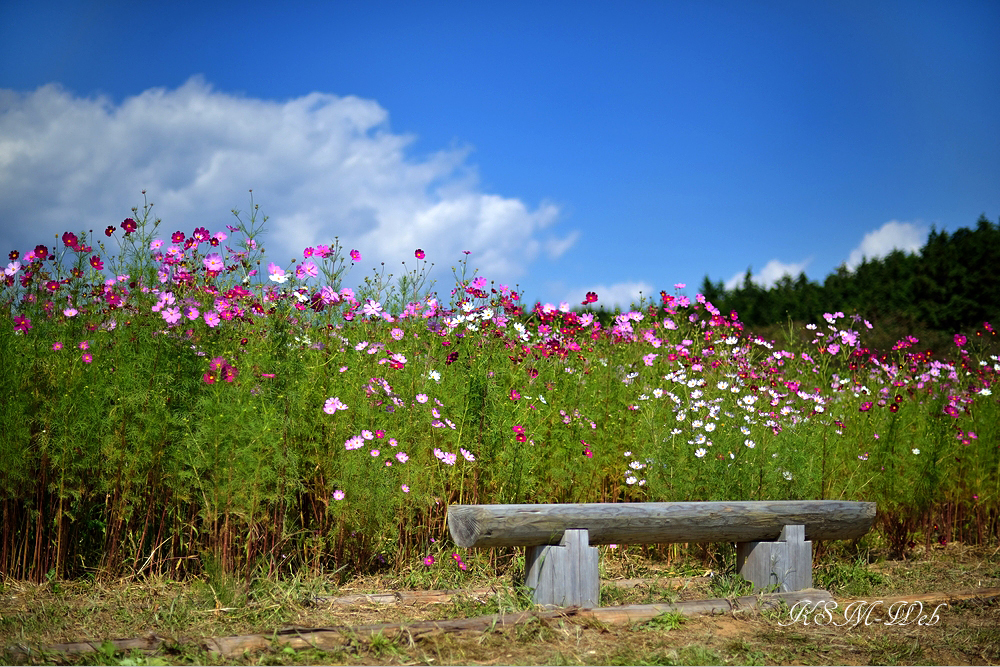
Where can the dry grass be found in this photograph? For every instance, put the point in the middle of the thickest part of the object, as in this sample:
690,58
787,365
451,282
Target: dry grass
186,613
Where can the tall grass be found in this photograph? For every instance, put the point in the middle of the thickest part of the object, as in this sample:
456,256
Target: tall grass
184,406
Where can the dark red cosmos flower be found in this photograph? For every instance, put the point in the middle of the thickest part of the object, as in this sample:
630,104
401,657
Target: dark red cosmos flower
109,230
418,253
13,255
52,285
177,237
96,262
591,298
200,234
41,251
69,240
129,225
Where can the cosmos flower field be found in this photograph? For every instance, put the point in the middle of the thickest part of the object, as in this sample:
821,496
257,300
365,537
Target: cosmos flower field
186,398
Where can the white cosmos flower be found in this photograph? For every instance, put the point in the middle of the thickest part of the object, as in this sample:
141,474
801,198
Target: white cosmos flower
700,452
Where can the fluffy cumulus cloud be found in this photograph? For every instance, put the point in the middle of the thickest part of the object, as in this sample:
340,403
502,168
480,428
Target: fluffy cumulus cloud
619,294
893,235
770,274
319,165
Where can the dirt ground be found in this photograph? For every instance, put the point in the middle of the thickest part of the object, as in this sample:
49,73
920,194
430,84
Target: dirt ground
34,618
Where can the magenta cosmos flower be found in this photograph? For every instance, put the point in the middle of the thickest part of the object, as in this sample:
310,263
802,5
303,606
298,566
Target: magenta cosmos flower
418,253
355,256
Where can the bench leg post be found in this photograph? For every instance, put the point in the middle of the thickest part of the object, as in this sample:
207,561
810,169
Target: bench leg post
564,575
787,562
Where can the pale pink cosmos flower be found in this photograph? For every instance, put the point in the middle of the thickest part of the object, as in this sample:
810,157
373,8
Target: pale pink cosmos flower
374,453
467,454
338,495
276,273
213,262
402,457
405,488
397,334
367,435
422,398
332,405
70,312
371,307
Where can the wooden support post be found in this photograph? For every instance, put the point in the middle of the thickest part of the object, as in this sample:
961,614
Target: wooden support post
564,575
787,562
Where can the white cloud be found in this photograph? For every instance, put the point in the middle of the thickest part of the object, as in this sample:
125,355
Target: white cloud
893,235
770,274
319,165
609,296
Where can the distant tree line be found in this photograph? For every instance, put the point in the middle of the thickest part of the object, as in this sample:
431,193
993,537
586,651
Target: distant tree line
952,284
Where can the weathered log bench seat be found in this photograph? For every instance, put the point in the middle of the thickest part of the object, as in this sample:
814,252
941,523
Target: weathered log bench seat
773,538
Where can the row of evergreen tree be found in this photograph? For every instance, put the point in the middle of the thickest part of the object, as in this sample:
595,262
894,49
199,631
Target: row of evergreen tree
951,285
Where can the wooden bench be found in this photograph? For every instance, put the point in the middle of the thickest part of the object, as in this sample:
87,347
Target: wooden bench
773,538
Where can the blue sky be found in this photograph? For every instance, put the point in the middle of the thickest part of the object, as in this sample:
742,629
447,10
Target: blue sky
571,147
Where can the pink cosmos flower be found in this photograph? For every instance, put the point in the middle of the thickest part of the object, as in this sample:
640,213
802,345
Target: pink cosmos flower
421,398
212,319
405,488
397,334
84,345
306,270
276,273
467,454
355,256
374,453
191,313
960,340
429,561
338,495
172,315
332,405
402,457
213,262
57,346
87,357
367,435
